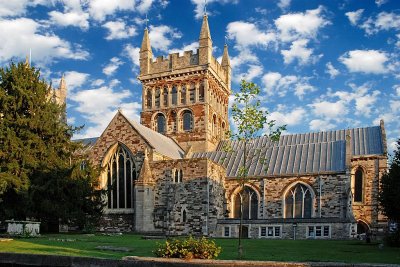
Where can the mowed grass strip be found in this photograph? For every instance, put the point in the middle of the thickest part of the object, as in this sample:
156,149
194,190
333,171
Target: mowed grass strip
254,249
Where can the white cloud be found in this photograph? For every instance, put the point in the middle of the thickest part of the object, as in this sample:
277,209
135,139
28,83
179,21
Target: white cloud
144,6
383,21
380,2
365,61
190,47
18,35
302,89
246,34
112,66
14,8
321,125
133,54
283,4
299,50
330,110
301,25
291,118
244,56
199,6
161,37
275,83
75,79
397,89
354,16
78,19
118,30
98,107
252,72
395,105
330,69
99,9
98,82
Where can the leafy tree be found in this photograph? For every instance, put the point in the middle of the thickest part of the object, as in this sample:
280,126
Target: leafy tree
37,170
251,121
389,196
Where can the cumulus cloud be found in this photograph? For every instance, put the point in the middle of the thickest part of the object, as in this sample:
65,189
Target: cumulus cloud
383,21
199,6
301,25
100,9
118,30
283,4
133,54
354,16
380,2
321,125
244,56
330,110
112,66
78,19
365,61
330,69
189,47
161,37
300,52
17,35
247,34
275,83
75,79
252,72
144,6
98,106
289,118
17,8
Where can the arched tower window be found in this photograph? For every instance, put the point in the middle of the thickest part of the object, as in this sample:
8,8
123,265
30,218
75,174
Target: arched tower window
187,120
358,185
149,99
157,98
249,198
214,125
192,92
160,123
174,96
165,97
121,174
298,202
201,91
172,121
183,95
223,130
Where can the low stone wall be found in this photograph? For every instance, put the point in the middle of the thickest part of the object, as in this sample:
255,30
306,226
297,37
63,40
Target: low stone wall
116,223
23,228
14,260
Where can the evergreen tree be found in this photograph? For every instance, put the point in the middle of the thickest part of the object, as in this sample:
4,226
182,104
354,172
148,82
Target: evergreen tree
38,176
389,195
251,121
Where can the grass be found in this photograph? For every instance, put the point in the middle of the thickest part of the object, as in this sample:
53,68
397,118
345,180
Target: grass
254,249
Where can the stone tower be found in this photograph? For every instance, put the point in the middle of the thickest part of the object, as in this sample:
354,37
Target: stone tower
186,96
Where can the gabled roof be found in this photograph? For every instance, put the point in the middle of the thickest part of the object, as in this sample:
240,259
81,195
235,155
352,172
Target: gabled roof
297,154
160,143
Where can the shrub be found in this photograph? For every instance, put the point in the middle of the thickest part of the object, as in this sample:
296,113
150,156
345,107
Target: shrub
189,248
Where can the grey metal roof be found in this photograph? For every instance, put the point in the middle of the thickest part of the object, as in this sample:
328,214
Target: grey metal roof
296,154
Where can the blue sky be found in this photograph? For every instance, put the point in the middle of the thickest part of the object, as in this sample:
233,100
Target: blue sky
321,64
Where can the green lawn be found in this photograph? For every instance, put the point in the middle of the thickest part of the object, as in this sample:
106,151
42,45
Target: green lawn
254,249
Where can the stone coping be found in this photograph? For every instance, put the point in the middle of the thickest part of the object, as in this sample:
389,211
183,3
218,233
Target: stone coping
25,222
17,259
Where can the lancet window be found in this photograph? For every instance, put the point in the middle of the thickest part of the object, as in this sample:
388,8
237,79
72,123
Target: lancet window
192,92
183,95
121,173
174,96
160,123
358,185
165,97
187,120
249,199
157,98
149,99
298,202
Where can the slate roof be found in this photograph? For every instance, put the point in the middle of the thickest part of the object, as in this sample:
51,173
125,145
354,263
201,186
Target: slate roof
297,154
161,143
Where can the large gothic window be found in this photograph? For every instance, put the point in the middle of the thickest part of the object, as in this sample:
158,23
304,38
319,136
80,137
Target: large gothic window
187,120
121,174
174,96
298,202
248,197
160,123
358,185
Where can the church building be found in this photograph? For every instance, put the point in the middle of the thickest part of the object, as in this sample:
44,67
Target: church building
170,174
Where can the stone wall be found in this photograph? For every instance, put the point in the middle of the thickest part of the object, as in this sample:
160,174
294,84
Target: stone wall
116,223
172,199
